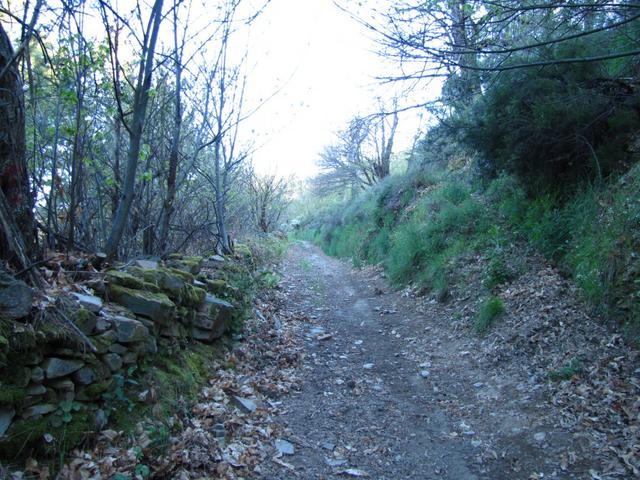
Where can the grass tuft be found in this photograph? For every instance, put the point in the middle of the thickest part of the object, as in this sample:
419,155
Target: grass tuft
490,310
571,369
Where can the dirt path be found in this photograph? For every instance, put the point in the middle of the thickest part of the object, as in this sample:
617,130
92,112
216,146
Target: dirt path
390,393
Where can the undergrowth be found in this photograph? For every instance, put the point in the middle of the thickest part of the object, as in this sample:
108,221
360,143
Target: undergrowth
421,226
489,311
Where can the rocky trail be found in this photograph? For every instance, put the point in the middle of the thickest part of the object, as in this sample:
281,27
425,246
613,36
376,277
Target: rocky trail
392,388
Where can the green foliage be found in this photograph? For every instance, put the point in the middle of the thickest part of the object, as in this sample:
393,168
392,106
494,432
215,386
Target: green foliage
489,311
445,224
417,225
178,379
64,413
498,271
593,236
569,370
268,249
268,279
117,397
554,127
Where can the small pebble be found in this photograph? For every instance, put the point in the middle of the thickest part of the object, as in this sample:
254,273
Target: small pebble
539,436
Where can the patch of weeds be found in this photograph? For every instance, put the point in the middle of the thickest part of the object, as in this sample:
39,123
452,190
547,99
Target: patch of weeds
118,397
569,370
491,309
498,271
305,265
268,279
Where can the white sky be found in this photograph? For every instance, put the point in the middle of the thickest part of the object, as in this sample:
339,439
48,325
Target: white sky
326,61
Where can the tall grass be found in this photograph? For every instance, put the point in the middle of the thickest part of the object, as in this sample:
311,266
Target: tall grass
594,236
416,225
419,226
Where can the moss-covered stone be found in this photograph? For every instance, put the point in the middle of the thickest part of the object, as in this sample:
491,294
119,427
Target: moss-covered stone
16,297
155,306
174,330
217,286
124,279
103,341
167,280
243,252
193,296
85,320
186,276
186,315
188,264
151,287
18,375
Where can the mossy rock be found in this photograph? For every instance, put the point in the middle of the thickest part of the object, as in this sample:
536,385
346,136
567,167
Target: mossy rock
151,287
167,280
85,320
193,296
103,341
186,315
188,264
4,350
243,252
155,306
18,375
186,276
123,279
217,286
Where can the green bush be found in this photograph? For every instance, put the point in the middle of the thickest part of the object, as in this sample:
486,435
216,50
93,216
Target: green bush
446,223
497,271
490,309
558,126
592,236
569,370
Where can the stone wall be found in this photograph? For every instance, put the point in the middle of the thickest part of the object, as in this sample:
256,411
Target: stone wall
54,377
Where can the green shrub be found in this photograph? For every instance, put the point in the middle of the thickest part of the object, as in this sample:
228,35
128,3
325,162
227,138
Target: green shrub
591,235
497,271
559,126
490,309
569,370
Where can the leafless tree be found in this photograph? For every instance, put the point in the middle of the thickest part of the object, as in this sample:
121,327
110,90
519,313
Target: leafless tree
270,197
466,38
221,113
362,155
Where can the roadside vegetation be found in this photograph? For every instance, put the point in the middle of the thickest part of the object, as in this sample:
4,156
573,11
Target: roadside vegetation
535,149
421,225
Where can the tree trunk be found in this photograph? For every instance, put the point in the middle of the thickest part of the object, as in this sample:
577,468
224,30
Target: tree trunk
76,165
461,25
220,192
14,182
175,146
141,99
